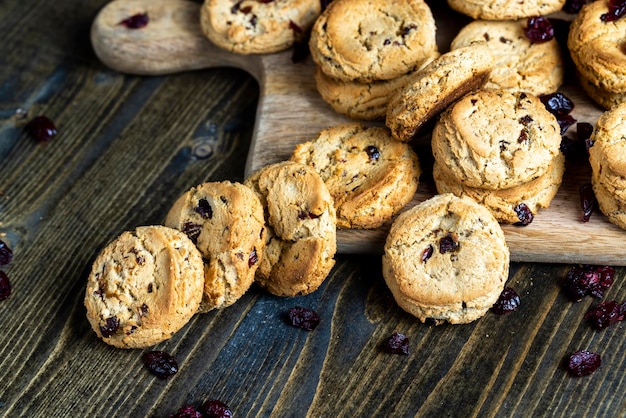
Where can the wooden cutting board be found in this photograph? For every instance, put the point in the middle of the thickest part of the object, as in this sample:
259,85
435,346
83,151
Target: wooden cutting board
291,111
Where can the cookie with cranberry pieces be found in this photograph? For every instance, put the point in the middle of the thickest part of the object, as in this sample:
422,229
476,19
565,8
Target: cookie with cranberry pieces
505,9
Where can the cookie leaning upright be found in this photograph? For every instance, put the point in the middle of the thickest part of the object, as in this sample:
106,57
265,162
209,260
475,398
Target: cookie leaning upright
225,220
257,27
446,259
434,87
144,286
370,175
505,9
368,40
596,45
301,228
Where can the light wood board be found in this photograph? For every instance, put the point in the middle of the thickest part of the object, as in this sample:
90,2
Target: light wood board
291,111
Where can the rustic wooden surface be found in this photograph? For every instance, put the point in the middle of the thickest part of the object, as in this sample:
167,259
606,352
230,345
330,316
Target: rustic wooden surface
127,147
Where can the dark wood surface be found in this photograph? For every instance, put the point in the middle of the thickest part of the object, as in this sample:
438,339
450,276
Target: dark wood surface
127,147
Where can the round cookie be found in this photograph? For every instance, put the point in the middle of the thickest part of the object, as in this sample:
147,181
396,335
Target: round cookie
400,36
225,220
257,27
520,65
370,175
614,210
535,194
495,139
365,101
446,259
597,47
301,228
608,153
604,98
505,9
144,286
433,88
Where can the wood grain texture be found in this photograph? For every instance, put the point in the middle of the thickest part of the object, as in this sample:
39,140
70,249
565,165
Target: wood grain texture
127,147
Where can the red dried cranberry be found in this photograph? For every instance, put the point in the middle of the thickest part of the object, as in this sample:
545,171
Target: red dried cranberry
508,301
302,215
192,231
524,214
448,243
397,344
136,21
539,29
373,153
187,411
605,314
295,27
582,281
214,408
6,255
253,258
617,9
565,122
584,130
42,128
304,318
427,253
583,363
110,327
160,364
557,103
588,201
5,286
204,209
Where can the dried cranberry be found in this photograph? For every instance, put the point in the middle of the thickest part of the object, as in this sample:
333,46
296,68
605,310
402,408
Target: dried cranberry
136,21
160,364
304,318
508,301
617,9
373,153
295,27
584,131
215,409
427,253
574,6
302,215
6,255
187,411
42,128
204,209
110,327
408,29
582,281
539,29
524,214
5,286
588,201
192,231
448,243
557,103
605,314
397,344
583,363
253,258
565,122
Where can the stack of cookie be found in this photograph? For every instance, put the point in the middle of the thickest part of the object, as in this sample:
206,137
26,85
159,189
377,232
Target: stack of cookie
596,44
608,163
364,50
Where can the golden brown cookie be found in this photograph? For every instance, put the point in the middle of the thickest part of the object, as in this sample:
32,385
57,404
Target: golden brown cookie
519,64
370,175
446,259
504,204
505,9
301,228
257,27
144,286
495,139
225,220
606,99
437,85
368,40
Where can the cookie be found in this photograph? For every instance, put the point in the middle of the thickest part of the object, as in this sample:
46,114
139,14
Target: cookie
301,228
364,101
399,36
495,139
226,222
606,99
436,86
144,286
613,209
608,153
520,65
446,259
370,175
504,203
505,9
257,27
597,48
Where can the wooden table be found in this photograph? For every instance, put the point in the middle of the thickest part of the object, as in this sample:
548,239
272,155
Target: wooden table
127,147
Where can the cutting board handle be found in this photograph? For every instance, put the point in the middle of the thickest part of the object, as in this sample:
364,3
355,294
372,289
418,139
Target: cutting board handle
171,42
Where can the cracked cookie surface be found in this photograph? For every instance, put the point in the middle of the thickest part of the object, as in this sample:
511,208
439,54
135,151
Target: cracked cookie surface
505,9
